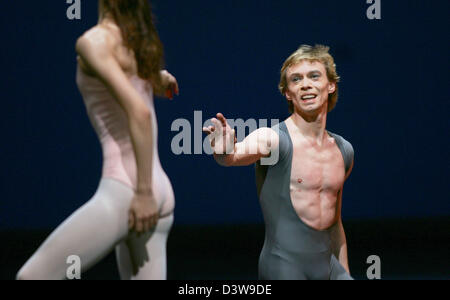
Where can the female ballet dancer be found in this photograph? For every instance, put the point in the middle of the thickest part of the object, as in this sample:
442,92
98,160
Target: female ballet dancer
119,68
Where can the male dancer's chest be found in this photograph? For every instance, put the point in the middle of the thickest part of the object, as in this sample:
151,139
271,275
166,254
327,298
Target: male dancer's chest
317,176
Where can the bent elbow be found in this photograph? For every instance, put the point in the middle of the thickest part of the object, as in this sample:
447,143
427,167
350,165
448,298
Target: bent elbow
145,114
140,119
141,114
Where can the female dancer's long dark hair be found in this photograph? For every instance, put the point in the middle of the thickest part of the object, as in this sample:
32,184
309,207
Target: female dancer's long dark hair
139,34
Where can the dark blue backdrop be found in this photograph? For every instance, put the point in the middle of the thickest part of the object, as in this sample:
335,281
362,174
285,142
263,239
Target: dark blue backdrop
226,56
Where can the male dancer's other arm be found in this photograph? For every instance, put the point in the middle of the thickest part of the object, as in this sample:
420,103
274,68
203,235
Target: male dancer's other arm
338,239
227,152
97,53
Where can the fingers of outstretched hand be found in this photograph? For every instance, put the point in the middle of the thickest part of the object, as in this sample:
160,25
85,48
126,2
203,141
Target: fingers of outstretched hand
217,125
209,129
222,119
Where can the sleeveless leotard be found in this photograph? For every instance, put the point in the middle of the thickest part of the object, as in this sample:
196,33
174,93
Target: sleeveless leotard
292,249
111,125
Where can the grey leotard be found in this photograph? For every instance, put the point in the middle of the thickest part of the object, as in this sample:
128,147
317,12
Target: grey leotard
292,249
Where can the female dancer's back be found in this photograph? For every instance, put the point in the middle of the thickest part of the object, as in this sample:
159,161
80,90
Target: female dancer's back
110,123
103,222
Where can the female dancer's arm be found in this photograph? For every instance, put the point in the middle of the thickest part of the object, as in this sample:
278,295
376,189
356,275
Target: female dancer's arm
96,51
169,85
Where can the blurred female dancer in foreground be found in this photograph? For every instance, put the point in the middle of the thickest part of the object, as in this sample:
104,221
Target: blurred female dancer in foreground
119,68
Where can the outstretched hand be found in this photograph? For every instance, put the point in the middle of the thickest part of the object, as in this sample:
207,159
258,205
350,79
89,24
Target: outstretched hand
221,136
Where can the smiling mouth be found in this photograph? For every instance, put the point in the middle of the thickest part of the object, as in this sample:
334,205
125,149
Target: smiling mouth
309,97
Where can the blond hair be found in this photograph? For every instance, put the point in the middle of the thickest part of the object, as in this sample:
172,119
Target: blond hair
317,53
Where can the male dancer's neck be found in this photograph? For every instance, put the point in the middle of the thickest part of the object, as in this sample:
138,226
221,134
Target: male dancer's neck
311,125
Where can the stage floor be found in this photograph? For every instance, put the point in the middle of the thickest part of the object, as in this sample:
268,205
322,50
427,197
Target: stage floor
411,249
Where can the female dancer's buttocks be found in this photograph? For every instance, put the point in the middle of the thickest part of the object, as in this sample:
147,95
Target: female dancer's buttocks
101,225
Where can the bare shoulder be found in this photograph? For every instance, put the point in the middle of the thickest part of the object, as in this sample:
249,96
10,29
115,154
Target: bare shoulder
98,39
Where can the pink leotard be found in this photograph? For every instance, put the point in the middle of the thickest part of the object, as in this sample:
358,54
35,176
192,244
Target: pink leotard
111,125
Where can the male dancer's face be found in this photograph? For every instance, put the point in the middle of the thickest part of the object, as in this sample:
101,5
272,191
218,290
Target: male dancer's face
308,86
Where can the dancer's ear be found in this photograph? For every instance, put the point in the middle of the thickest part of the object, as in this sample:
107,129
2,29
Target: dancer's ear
331,88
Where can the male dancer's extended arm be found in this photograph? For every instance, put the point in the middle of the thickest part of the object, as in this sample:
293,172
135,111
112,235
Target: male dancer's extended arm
227,152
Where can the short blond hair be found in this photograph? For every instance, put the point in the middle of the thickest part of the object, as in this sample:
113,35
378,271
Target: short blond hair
317,53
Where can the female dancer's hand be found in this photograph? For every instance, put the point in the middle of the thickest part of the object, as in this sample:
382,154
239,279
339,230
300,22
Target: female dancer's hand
143,214
170,84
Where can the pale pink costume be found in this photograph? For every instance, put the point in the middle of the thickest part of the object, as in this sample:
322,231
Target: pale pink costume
102,223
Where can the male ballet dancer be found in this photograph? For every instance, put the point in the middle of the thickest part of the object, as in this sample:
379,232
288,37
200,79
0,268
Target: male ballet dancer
301,193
